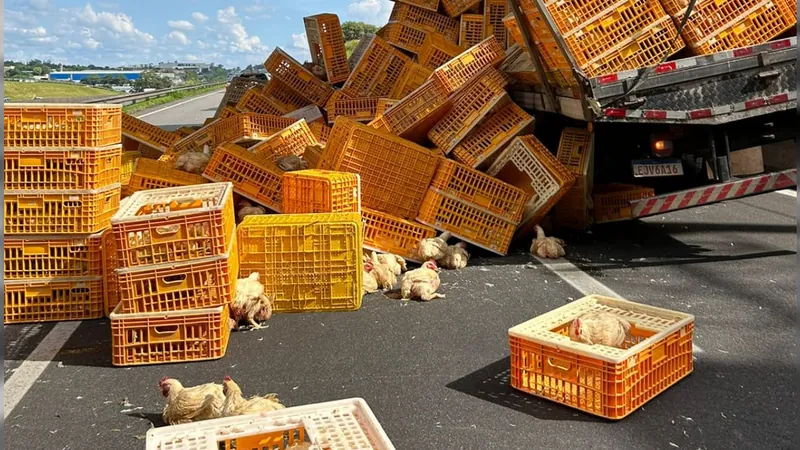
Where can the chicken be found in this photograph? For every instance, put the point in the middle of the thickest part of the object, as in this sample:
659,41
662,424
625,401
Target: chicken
369,282
547,247
456,257
236,405
317,70
385,276
248,209
433,248
185,405
600,328
395,263
250,302
421,283
193,162
291,163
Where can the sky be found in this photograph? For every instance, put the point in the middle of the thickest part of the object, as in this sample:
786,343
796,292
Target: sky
115,32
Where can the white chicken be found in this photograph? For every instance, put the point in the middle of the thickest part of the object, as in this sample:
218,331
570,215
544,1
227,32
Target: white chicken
236,405
600,328
395,263
369,283
250,301
193,162
547,247
385,276
421,283
291,163
456,257
248,209
433,248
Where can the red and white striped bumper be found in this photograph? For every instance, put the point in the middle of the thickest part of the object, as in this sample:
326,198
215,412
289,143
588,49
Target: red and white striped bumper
713,194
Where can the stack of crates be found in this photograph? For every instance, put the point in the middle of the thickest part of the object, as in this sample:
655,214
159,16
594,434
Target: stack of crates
61,181
575,152
236,88
177,268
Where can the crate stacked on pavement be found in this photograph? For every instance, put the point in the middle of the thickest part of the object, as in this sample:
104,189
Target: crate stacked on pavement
61,182
177,270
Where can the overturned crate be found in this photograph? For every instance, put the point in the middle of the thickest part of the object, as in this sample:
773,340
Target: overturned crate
321,191
326,41
390,234
255,177
427,20
296,77
483,144
152,174
151,135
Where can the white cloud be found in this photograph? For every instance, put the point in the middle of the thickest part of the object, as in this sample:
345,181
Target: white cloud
33,32
234,36
40,4
199,17
181,25
118,24
299,49
375,12
179,37
91,43
191,57
201,45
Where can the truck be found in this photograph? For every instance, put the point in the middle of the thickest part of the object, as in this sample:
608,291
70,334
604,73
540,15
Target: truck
673,128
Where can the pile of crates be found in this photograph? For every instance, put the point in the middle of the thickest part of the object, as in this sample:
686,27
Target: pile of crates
177,263
61,181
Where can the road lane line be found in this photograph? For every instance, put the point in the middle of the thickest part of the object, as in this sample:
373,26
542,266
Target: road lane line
178,104
584,282
788,192
31,369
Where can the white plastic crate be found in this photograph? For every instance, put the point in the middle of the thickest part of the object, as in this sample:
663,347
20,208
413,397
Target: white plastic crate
338,425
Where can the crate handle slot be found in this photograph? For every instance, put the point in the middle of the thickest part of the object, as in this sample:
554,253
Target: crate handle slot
552,364
167,230
174,279
30,202
35,249
166,330
32,161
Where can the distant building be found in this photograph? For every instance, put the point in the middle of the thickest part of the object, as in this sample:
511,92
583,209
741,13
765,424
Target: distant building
184,67
78,75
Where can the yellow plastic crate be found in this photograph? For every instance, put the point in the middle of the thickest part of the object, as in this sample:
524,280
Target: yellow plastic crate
56,168
414,116
471,32
290,72
390,234
427,20
437,50
146,133
307,262
40,257
292,140
253,101
362,109
326,41
152,174
249,127
403,36
321,191
378,70
40,125
612,202
455,8
253,176
126,169
52,299
284,97
605,381
482,144
493,13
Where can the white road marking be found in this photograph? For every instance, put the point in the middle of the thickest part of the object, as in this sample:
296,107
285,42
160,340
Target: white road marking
177,104
584,282
788,192
31,369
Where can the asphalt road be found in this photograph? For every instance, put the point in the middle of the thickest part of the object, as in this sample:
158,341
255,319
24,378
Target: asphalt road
437,374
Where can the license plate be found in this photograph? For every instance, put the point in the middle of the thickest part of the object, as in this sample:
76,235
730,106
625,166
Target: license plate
669,168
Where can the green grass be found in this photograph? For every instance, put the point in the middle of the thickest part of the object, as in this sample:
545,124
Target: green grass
146,104
26,91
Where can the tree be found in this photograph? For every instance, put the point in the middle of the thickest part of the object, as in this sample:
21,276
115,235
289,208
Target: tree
91,80
354,31
150,79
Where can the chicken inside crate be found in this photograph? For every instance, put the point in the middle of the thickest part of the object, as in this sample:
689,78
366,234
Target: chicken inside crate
549,359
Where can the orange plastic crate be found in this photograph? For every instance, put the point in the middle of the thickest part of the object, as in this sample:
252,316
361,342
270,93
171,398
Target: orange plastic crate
199,283
37,125
384,104
307,262
471,30
69,168
461,69
311,113
425,19
37,257
551,54
52,299
174,224
403,36
284,97
612,202
709,16
230,111
436,51
185,131
483,95
321,191
432,5
493,13
646,48
320,131
250,127
362,109
326,41
292,140
455,8
59,211
457,180
169,337
567,15
236,88
605,381
394,172
290,72
611,27
253,176
413,116
528,165
747,24
378,72
466,222
480,147
152,135
196,141
126,168
576,154
143,149
151,174
389,234
414,75
253,101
